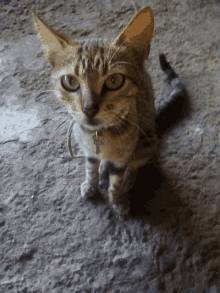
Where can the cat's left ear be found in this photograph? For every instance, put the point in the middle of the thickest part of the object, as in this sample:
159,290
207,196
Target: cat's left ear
138,33
53,42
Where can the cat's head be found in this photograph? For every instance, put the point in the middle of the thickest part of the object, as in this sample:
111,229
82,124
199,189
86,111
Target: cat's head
99,80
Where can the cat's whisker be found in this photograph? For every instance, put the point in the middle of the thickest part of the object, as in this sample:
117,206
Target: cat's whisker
135,125
108,53
69,132
56,128
110,47
118,132
112,44
118,49
54,119
142,119
47,124
126,134
119,126
138,128
120,62
148,138
38,133
58,125
134,5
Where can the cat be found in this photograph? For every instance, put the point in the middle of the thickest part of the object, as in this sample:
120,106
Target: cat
109,94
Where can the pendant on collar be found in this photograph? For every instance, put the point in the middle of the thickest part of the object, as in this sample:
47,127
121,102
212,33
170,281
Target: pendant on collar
96,142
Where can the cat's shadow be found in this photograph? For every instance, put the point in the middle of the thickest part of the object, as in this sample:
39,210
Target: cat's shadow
155,198
153,194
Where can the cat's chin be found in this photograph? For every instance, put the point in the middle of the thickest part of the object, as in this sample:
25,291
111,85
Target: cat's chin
90,127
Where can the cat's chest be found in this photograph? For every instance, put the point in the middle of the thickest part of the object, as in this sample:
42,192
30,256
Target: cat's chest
105,147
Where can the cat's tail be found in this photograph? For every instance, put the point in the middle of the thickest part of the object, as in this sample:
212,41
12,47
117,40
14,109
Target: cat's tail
173,103
176,84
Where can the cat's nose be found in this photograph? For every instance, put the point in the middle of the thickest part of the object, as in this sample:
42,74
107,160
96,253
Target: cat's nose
90,112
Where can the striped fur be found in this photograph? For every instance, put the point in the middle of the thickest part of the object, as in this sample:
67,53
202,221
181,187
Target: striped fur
117,118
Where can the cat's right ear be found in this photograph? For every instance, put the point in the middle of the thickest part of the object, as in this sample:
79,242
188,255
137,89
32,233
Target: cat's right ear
138,33
53,42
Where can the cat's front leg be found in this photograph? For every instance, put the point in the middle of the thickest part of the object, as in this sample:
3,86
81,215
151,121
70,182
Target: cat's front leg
115,191
90,185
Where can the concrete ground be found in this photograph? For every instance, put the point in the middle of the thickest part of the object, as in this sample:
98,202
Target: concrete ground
51,239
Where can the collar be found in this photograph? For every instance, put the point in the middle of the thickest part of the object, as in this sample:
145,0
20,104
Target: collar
95,136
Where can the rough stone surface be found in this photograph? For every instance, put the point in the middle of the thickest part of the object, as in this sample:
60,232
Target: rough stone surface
51,239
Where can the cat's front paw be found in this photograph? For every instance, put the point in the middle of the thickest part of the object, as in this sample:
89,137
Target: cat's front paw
103,186
87,189
129,178
122,209
114,195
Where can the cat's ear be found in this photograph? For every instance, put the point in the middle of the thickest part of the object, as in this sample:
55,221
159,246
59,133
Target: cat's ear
53,42
139,32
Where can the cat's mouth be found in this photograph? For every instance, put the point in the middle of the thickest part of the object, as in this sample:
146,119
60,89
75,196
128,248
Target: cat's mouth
116,123
91,124
114,130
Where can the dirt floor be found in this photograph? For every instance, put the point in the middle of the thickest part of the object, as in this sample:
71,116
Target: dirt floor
51,239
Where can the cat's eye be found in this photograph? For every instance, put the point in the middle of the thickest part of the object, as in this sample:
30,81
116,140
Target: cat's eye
70,83
115,81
